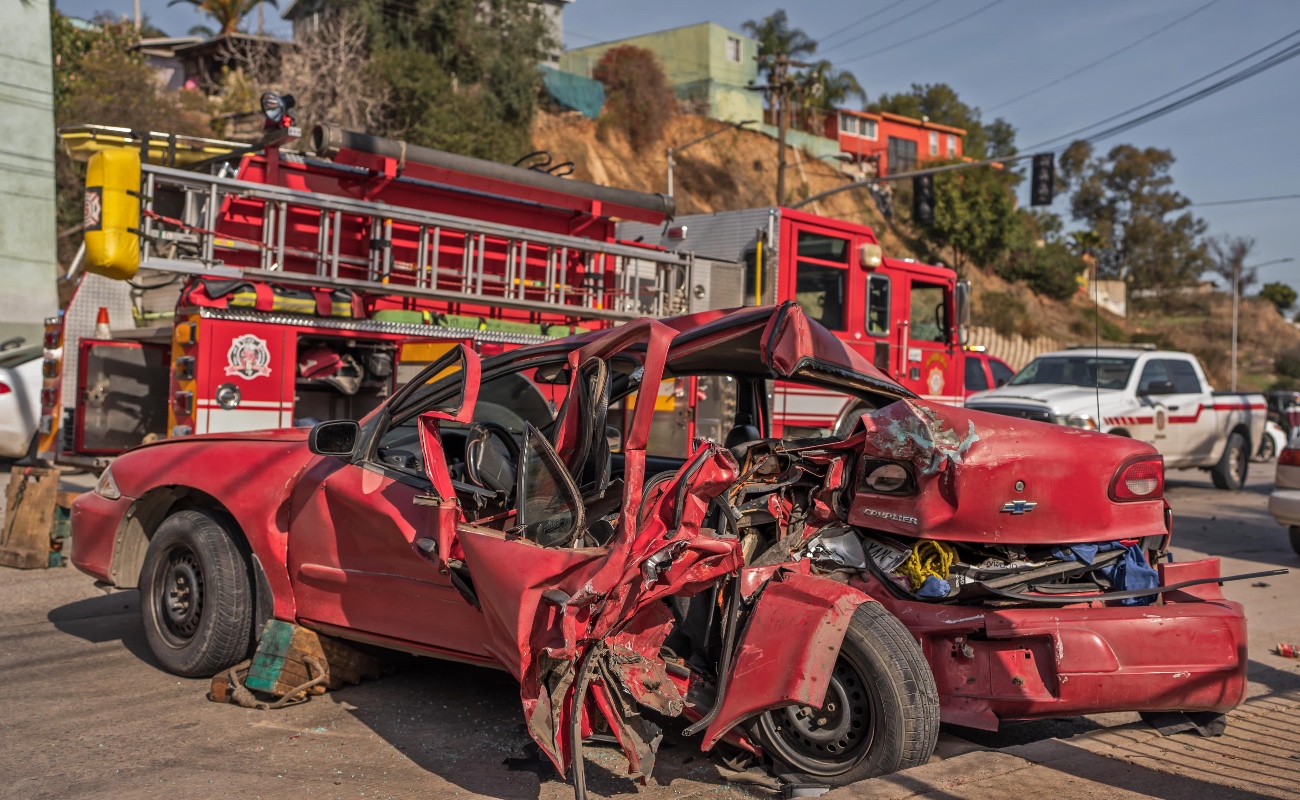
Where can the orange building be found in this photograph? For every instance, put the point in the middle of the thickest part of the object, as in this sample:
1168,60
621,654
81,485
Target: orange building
893,142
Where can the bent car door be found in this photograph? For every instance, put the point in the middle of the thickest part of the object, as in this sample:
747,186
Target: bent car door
353,523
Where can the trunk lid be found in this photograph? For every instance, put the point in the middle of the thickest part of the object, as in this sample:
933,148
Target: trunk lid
985,478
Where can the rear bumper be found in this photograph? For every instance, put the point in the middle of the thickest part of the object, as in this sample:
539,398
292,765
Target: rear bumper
1185,654
1284,505
95,524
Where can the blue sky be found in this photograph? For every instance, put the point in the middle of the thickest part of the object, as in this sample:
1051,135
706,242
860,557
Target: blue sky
1239,143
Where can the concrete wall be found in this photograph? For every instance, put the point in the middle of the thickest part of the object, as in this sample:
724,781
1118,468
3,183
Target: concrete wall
28,262
1016,350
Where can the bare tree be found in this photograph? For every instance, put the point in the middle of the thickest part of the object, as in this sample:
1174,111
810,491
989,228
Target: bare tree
327,70
1228,256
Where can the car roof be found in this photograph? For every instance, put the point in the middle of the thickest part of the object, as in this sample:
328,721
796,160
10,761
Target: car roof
1113,352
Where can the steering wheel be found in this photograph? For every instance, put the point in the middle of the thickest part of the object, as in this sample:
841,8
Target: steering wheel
484,465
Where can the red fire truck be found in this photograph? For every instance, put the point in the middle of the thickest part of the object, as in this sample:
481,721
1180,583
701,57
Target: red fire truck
264,287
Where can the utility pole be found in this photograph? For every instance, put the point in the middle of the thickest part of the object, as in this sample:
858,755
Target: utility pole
1236,296
779,87
137,15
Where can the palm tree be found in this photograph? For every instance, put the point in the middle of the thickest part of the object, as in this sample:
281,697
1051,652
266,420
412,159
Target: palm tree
830,88
776,38
226,13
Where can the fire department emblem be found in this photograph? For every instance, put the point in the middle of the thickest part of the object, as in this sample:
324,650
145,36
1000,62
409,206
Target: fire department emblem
1160,419
248,357
93,209
935,380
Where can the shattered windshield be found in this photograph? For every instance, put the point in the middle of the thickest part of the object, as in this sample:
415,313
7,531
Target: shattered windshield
1105,372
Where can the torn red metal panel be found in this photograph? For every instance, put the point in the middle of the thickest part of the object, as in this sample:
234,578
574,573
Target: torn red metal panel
547,607
788,648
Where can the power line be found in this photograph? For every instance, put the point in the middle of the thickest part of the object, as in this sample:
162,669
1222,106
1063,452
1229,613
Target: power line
855,23
1214,88
883,25
1053,142
1104,58
1246,200
924,34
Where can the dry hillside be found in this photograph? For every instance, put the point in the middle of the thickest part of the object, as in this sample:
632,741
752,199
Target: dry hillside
737,169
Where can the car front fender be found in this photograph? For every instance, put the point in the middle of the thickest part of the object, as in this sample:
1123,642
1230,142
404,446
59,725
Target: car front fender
787,649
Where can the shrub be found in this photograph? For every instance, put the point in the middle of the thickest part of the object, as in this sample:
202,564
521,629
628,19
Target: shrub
638,100
1051,270
1090,324
1001,312
1280,295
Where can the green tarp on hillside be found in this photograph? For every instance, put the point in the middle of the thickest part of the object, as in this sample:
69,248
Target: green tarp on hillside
575,92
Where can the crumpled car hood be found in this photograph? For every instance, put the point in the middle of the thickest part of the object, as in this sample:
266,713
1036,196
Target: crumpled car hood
968,464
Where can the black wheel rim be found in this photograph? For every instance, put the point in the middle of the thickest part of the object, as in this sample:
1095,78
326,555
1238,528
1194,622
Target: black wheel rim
178,595
830,740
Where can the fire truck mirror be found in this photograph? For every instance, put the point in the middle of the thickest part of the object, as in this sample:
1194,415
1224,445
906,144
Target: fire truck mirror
112,214
963,303
336,438
870,256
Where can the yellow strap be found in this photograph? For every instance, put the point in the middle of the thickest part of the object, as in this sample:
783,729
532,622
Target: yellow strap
927,558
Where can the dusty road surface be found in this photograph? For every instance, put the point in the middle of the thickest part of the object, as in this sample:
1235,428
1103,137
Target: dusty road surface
84,712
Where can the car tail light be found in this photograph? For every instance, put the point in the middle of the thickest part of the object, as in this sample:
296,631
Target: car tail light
1140,478
4,388
1288,458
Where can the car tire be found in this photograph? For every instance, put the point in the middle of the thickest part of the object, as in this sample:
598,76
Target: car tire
196,597
1294,530
1267,450
1230,473
881,713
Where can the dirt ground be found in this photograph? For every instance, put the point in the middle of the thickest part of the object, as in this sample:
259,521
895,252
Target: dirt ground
84,712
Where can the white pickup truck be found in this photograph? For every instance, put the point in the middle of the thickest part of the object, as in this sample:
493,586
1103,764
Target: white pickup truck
1160,397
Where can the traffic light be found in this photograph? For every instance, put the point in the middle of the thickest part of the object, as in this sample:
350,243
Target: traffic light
1043,183
923,199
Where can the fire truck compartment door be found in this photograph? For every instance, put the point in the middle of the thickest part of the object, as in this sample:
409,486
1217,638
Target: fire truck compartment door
122,402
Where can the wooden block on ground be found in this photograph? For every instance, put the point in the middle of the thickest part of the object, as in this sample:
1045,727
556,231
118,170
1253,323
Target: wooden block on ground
31,498
280,664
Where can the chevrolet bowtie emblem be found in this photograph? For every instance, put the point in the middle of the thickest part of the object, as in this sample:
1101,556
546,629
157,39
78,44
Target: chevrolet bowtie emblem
1019,507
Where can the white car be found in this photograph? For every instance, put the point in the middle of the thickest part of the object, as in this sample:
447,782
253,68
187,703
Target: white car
1272,443
1284,502
20,398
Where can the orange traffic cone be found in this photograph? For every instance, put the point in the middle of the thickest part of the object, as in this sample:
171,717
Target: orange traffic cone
101,325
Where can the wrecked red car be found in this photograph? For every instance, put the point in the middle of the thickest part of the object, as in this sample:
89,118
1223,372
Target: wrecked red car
823,604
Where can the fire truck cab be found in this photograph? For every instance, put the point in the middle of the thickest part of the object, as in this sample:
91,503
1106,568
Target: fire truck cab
903,316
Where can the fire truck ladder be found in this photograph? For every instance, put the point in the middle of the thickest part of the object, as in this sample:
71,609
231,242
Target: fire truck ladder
182,237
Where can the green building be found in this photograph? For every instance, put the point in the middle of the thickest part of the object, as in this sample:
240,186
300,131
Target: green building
28,263
708,66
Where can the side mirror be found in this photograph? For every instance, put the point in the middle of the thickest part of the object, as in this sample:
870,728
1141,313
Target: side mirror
336,438
963,303
552,374
1160,387
614,438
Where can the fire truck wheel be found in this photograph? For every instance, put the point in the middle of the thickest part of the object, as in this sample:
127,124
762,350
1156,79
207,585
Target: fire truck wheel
1230,472
195,596
881,712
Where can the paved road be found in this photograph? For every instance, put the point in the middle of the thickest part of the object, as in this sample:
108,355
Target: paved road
85,712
